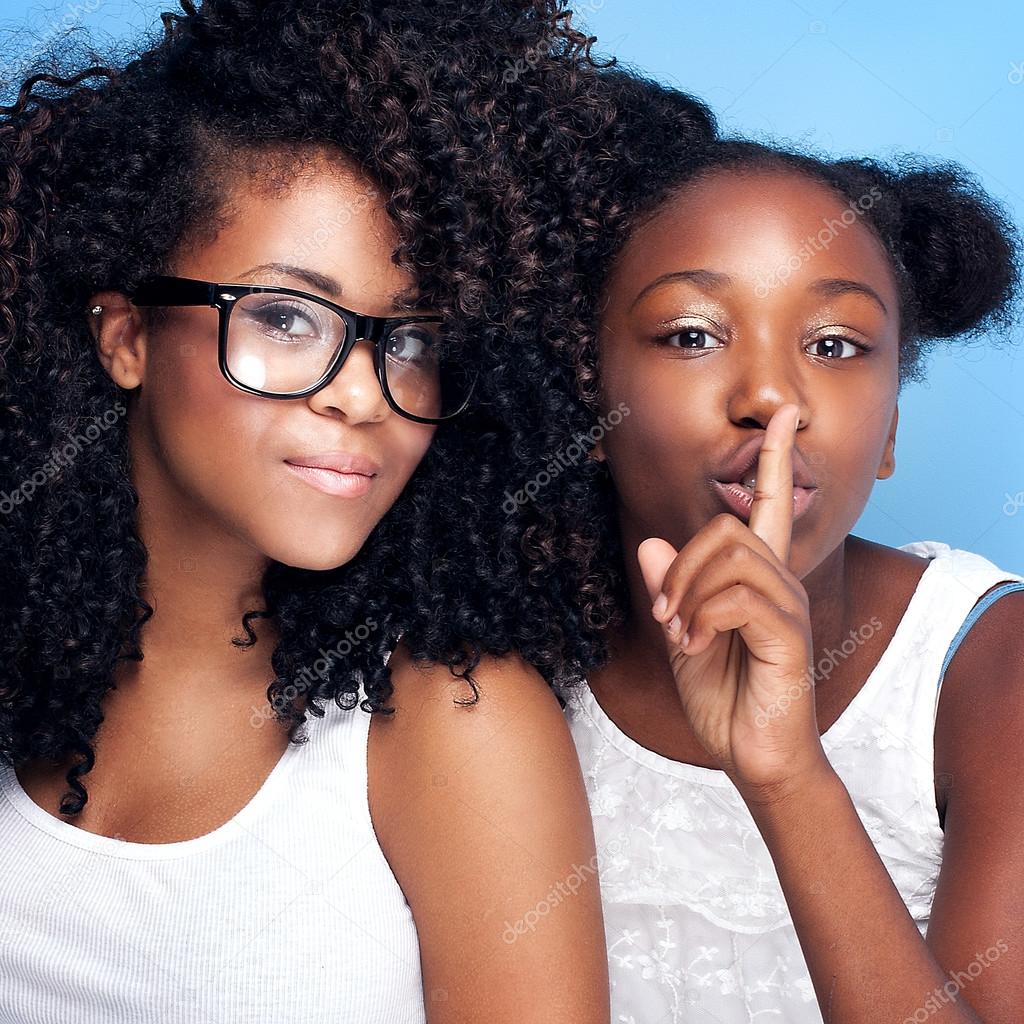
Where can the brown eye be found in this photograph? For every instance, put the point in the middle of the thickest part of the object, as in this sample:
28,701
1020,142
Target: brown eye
691,340
833,348
414,343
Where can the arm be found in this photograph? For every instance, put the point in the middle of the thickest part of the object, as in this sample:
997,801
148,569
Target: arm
738,631
482,813
865,954
866,957
979,760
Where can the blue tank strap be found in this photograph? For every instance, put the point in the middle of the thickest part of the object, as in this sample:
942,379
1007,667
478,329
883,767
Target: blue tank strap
990,598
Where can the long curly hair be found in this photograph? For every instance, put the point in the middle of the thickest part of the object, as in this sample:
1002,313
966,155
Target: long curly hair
111,163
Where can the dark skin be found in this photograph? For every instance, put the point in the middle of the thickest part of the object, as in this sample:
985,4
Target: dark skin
178,753
758,602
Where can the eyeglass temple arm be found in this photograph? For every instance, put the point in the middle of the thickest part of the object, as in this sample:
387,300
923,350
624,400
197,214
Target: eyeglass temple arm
173,291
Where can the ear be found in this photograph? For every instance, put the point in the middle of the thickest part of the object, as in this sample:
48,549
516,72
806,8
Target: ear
888,464
597,452
120,337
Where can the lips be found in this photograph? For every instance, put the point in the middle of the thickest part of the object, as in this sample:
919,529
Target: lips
739,499
341,474
744,461
338,462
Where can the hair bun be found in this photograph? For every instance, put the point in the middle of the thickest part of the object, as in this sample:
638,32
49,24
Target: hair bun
959,249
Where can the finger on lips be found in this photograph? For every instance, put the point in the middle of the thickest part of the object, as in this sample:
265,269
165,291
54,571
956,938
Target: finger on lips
771,516
768,535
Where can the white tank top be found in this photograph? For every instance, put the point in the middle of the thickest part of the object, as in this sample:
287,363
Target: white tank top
696,924
288,913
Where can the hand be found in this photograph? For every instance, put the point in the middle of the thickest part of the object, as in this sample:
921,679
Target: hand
744,673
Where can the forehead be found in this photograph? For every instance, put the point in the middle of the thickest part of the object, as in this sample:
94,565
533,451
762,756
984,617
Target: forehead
319,213
751,224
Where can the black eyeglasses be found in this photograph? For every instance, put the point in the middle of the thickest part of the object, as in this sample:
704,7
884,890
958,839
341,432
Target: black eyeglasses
280,342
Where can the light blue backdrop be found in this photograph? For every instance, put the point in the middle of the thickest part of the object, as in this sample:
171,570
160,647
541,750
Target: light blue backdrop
857,77
872,78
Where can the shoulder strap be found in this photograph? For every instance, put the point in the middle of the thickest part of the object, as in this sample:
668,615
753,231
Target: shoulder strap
976,612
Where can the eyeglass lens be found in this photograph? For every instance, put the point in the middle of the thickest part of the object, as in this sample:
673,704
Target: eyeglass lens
284,344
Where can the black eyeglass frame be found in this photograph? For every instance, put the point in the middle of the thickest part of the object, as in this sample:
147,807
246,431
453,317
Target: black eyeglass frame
164,290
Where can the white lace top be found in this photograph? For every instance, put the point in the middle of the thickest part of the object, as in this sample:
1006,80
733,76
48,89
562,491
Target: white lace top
697,926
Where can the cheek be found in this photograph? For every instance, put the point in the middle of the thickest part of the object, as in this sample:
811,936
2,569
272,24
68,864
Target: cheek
664,427
850,432
404,445
197,415
654,457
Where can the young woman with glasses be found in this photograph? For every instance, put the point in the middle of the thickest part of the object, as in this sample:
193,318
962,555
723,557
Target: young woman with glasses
255,310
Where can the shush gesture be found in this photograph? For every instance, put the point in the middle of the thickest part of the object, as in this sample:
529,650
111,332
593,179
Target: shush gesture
737,626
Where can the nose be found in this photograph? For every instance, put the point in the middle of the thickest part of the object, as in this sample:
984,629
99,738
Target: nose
764,381
354,394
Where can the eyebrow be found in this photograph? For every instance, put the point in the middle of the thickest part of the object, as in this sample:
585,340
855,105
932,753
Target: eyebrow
709,280
844,286
407,300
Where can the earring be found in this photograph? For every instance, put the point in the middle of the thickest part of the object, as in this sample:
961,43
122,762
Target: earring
96,310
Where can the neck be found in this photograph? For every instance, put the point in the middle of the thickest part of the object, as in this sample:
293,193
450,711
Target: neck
200,581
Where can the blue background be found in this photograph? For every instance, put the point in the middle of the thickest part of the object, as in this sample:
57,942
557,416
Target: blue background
853,77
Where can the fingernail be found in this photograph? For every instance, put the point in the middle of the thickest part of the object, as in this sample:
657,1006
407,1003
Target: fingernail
673,624
660,605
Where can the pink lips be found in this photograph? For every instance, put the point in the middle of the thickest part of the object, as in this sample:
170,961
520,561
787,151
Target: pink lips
745,458
343,474
740,501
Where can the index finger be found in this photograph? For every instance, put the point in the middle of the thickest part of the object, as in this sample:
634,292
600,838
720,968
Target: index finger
771,516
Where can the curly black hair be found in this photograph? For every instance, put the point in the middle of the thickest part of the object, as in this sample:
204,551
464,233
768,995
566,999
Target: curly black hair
484,125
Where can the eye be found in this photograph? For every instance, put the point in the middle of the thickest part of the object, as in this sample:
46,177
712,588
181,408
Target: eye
293,321
690,339
834,348
414,344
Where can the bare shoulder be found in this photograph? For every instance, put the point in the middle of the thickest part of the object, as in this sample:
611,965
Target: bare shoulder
884,581
480,808
981,705
444,737
438,716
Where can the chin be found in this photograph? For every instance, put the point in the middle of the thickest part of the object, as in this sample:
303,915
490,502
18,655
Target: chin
304,550
319,561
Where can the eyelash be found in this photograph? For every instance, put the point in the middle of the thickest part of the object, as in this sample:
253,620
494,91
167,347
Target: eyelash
663,339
